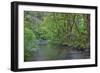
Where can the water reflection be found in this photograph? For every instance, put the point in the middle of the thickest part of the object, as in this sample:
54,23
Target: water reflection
47,51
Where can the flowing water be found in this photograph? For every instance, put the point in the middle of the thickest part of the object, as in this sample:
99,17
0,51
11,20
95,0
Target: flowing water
46,51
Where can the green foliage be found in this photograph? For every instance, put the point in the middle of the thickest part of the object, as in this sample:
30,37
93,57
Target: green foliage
71,29
28,42
56,27
28,37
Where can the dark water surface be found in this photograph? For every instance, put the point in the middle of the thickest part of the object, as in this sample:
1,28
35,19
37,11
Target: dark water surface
46,51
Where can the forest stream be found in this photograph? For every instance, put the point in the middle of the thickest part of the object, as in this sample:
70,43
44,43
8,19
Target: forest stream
56,36
46,52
